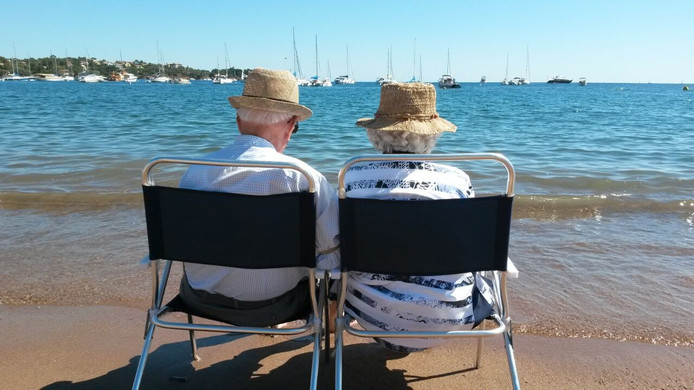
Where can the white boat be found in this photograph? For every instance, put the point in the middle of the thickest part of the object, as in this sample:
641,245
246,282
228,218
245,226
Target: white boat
316,81
582,81
129,77
345,79
515,81
559,80
47,77
298,74
389,79
161,79
447,81
505,80
483,80
90,78
526,80
14,76
180,80
224,78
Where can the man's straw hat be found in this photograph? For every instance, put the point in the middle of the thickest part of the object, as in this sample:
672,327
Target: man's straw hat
408,107
271,90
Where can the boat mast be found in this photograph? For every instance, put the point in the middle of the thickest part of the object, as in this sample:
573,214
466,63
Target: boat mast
448,64
297,65
414,60
420,68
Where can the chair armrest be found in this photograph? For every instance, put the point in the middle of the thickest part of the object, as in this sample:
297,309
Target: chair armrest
511,270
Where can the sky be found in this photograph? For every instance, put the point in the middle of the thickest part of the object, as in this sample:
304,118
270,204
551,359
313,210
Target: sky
621,41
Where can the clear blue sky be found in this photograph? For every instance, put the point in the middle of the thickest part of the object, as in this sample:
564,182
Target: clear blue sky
603,40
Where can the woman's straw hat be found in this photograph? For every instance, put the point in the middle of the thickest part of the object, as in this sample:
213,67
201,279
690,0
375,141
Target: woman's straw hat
271,90
408,107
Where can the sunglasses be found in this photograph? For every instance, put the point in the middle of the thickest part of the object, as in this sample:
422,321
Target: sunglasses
296,126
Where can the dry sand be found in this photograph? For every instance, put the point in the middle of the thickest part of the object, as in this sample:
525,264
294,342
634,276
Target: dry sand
97,347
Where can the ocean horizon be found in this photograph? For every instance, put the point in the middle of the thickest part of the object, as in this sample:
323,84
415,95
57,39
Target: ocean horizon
603,228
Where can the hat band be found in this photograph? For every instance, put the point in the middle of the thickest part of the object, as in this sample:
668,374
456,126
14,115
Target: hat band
406,116
269,98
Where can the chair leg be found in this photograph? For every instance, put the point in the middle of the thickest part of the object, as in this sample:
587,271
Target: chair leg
508,340
143,358
339,328
193,344
326,326
480,345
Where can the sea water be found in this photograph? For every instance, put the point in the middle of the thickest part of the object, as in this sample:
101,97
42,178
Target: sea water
603,228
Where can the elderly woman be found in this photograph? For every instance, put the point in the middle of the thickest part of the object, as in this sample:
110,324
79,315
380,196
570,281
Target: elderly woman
407,122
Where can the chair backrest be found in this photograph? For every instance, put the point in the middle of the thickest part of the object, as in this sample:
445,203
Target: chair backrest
228,229
425,237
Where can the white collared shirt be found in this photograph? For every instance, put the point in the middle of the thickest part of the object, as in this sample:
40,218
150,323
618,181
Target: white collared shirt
250,284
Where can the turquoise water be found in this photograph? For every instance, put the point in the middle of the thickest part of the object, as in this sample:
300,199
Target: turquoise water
605,176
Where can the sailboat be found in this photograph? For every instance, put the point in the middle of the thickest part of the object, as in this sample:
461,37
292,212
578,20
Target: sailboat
224,79
345,79
389,79
505,80
161,77
526,80
15,69
316,80
298,74
50,76
447,81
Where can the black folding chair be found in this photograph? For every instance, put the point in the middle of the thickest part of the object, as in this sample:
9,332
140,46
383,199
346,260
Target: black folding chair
224,229
427,237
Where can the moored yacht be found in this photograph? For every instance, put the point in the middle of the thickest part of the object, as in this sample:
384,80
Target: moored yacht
345,79
582,81
447,81
559,80
47,77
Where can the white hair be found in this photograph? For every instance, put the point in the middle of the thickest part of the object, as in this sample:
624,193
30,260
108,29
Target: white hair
402,141
262,117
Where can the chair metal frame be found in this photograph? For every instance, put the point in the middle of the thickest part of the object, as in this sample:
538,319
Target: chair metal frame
159,282
502,319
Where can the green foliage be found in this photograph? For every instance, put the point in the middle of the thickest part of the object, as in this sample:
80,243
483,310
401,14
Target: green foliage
76,65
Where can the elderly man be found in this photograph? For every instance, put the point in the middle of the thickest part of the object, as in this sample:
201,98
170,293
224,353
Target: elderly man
268,114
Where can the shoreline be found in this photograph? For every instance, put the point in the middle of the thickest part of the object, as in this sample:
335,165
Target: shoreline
87,347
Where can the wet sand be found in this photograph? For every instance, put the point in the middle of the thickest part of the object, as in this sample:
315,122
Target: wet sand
98,347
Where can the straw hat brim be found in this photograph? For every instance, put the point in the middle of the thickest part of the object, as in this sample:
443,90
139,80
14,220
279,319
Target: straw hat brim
261,103
418,126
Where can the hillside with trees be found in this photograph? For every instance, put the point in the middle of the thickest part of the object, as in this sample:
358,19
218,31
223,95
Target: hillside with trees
76,65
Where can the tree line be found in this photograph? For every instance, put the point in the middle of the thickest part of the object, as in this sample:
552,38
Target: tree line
75,65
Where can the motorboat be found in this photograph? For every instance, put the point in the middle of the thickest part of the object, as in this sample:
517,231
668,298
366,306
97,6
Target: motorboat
559,80
447,81
180,80
483,80
515,81
582,81
344,79
47,77
90,78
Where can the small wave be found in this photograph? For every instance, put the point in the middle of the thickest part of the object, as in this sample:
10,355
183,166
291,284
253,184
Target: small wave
69,202
540,207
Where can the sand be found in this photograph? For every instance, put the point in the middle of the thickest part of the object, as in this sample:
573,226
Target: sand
98,347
